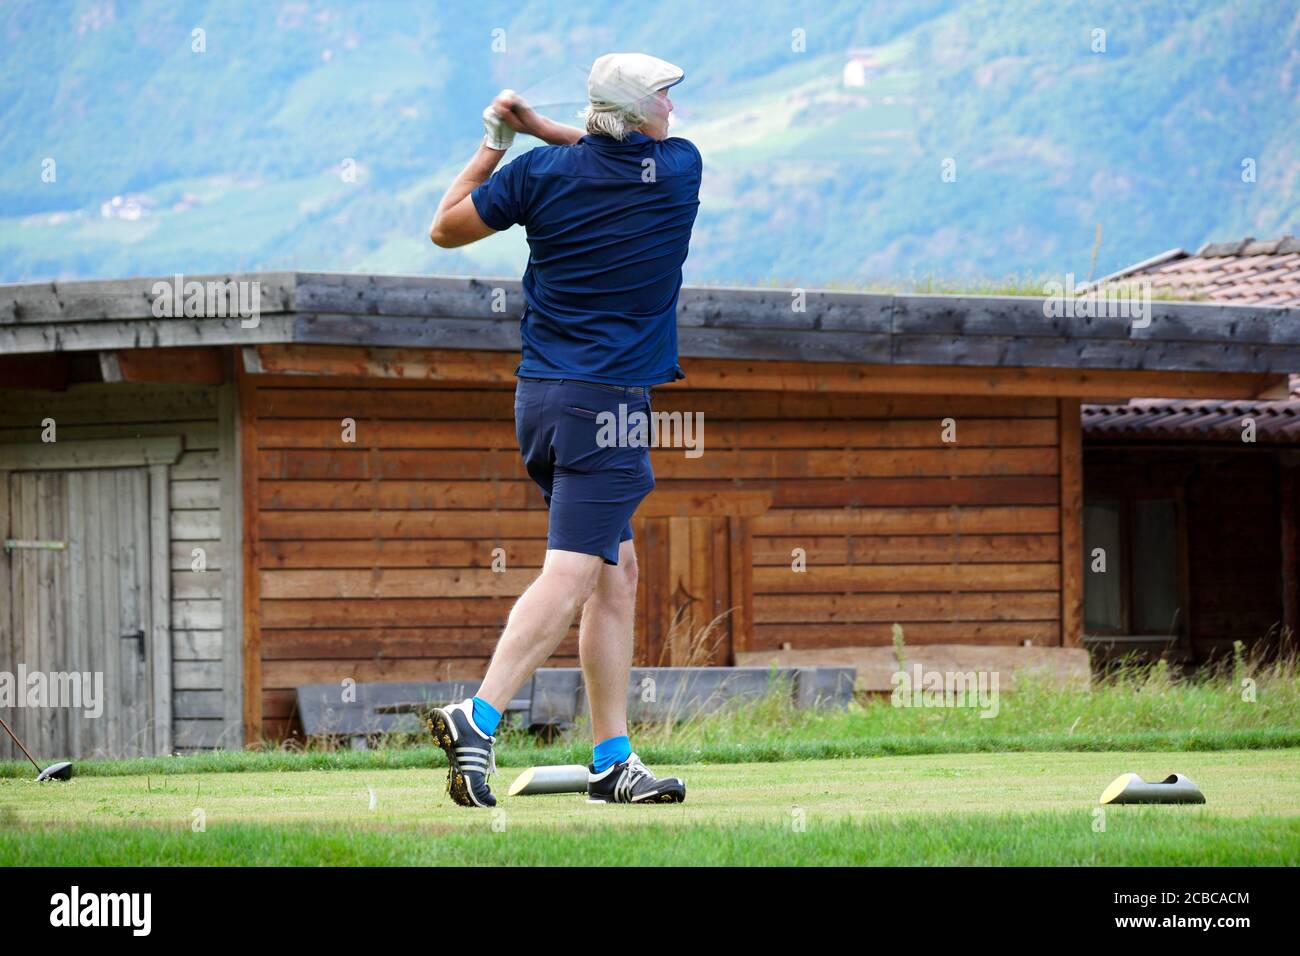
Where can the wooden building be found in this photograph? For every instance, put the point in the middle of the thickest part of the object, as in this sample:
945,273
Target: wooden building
1195,504
346,462
1200,495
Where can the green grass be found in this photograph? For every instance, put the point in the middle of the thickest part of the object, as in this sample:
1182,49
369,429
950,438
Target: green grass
520,754
1140,838
1030,809
767,783
1143,709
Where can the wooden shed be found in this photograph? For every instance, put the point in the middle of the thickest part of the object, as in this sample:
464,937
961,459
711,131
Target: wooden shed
348,463
1198,525
1200,494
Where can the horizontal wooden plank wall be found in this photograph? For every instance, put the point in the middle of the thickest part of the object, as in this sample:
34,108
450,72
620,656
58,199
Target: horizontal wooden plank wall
957,541
374,557
92,411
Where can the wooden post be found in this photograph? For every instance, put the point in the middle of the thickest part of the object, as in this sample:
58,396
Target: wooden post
250,558
160,605
232,576
1287,489
8,654
1071,507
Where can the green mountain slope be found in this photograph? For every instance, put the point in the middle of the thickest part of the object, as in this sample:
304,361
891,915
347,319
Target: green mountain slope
320,135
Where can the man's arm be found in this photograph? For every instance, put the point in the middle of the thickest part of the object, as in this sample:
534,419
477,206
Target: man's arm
549,131
457,222
522,118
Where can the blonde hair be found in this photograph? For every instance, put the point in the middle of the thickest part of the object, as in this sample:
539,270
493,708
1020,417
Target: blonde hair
614,122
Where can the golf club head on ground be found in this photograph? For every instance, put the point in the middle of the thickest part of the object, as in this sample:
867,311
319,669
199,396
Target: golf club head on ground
56,771
1130,788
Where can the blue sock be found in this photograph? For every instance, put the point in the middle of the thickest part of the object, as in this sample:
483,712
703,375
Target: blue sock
486,716
609,752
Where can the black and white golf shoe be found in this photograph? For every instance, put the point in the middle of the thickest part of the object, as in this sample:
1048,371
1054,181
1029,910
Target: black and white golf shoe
469,754
631,782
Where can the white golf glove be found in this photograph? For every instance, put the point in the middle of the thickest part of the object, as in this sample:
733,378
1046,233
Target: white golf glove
499,135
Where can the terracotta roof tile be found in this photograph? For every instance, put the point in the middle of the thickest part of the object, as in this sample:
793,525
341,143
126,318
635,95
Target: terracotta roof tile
1246,271
1155,419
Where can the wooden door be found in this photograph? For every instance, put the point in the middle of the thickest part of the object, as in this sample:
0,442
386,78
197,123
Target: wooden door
694,596
84,607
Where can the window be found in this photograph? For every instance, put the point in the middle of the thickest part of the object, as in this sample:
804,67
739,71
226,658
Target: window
1139,592
1103,604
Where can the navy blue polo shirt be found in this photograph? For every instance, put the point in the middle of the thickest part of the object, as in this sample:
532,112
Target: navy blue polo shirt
608,231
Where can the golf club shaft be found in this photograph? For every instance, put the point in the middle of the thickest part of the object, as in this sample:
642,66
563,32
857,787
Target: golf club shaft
549,106
20,744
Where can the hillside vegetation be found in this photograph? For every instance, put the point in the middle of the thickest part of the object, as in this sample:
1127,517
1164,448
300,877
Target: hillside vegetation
320,135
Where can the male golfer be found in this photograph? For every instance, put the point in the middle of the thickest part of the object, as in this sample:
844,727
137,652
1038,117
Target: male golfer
608,217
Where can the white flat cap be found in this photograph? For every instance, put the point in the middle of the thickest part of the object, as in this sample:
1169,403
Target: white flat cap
618,80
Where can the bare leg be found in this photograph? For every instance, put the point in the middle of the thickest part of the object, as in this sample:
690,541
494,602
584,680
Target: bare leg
605,644
538,622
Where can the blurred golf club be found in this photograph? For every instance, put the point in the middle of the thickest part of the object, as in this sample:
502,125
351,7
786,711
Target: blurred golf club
566,88
563,89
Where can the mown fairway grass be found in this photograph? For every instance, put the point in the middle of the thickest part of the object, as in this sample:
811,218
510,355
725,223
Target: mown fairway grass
767,784
1143,710
1008,808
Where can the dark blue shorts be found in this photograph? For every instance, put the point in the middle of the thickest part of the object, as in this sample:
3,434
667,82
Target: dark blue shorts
591,487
